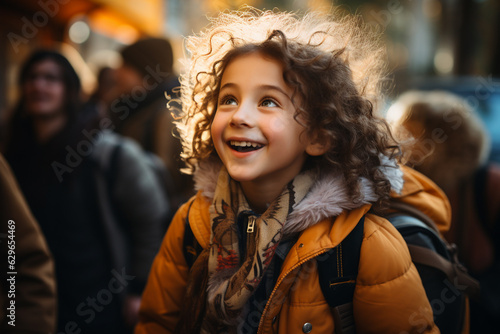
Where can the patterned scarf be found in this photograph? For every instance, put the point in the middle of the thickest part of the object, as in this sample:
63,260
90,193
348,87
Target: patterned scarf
232,280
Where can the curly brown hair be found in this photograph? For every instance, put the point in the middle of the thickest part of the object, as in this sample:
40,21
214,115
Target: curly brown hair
335,67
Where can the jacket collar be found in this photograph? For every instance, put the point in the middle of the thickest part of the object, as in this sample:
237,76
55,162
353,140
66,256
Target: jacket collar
327,198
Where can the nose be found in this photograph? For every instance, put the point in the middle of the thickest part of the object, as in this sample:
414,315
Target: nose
36,81
243,116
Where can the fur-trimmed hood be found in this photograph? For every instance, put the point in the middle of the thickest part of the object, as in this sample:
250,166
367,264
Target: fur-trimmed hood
328,196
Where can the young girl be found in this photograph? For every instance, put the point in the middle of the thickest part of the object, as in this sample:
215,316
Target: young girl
287,158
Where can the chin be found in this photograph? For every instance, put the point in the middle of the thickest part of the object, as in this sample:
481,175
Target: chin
42,112
240,176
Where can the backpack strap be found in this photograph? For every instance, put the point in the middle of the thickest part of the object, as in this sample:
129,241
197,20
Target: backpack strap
410,218
428,248
338,268
338,271
456,272
191,246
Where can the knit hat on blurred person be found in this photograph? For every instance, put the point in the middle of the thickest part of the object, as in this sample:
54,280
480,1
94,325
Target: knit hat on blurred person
149,52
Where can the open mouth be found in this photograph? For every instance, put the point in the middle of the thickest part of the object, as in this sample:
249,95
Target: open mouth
244,146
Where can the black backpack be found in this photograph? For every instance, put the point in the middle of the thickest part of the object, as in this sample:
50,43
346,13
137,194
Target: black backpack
435,259
445,279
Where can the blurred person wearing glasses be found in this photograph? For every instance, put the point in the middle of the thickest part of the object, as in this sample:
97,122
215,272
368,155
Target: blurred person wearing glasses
103,235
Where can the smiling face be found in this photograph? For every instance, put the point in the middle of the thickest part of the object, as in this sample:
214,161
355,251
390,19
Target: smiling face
254,130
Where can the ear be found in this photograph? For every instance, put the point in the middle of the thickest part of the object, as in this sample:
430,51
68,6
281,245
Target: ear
317,147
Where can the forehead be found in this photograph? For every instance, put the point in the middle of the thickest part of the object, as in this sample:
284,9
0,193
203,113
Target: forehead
46,65
253,67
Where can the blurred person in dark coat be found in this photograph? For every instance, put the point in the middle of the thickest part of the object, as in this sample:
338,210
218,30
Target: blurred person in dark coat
146,83
102,95
27,298
449,144
101,212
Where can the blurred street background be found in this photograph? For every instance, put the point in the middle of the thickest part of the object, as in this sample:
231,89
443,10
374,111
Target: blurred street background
103,199
451,44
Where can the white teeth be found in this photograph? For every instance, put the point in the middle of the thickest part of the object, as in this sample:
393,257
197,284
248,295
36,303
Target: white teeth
243,143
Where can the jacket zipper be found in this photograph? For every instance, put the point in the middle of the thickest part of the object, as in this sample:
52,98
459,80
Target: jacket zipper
251,224
259,329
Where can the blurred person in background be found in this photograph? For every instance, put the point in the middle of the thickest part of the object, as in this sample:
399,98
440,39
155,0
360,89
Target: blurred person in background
146,82
101,96
28,297
102,220
448,143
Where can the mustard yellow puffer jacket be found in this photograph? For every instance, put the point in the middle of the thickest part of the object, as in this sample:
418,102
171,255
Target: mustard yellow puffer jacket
389,296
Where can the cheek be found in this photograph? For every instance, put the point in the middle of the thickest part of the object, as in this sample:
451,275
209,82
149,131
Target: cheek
59,94
277,124
217,128
282,129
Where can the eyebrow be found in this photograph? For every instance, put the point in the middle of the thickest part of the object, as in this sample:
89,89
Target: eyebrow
261,87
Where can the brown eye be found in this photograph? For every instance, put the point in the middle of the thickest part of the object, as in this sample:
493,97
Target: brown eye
228,100
269,103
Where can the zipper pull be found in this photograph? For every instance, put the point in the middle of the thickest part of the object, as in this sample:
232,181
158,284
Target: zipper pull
251,224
